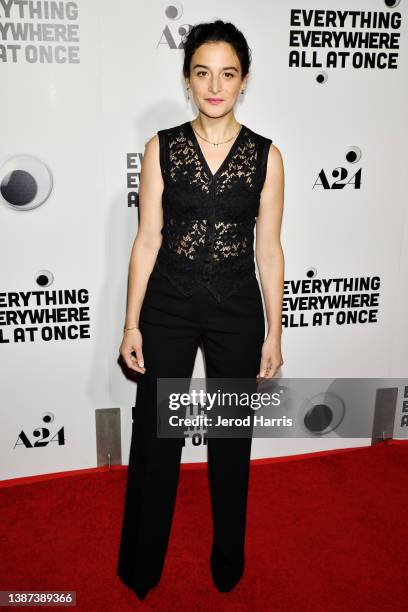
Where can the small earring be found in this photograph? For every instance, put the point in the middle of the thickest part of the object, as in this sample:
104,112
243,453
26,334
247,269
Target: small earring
188,95
242,91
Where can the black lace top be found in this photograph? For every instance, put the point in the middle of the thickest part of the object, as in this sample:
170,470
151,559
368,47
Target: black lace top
209,219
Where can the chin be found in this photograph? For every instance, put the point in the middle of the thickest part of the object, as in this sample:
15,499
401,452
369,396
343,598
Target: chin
214,111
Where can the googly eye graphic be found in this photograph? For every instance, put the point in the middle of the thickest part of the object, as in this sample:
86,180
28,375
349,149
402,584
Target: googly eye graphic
48,417
321,77
311,273
322,414
391,3
353,154
174,11
44,278
25,182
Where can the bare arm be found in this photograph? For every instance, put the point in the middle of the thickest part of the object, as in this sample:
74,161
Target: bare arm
145,248
270,259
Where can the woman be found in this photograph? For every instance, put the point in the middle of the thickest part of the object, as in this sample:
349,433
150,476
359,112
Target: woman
191,278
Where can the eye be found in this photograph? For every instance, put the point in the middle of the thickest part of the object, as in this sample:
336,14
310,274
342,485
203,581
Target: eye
201,72
229,74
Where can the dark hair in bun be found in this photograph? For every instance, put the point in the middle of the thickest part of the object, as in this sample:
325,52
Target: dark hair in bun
216,31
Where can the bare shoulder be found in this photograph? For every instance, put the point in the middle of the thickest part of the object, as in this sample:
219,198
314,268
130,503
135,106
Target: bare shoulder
151,155
275,160
151,169
275,169
153,144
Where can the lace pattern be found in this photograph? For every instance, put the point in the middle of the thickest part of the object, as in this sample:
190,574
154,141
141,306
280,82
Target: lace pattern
187,238
185,161
209,218
232,240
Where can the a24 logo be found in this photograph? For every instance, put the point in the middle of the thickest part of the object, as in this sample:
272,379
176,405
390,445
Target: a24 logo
41,436
342,179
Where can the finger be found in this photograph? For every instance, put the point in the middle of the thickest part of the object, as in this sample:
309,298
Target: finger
260,373
139,356
264,365
274,370
133,365
271,371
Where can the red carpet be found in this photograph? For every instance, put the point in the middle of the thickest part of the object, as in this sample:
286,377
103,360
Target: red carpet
325,533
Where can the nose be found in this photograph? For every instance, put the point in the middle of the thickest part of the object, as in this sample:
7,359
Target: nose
214,84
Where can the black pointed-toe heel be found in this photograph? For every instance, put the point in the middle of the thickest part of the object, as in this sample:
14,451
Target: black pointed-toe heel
141,592
226,587
225,578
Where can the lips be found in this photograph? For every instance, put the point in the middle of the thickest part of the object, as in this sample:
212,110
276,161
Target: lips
214,100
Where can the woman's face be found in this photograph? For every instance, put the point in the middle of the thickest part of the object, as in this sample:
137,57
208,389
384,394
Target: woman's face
215,78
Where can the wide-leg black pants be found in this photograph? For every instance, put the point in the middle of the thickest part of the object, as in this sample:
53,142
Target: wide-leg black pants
232,333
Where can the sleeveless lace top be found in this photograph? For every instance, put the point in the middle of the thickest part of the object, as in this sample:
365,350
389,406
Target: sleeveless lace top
209,219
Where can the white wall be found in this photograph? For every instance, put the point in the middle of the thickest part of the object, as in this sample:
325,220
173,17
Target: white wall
79,119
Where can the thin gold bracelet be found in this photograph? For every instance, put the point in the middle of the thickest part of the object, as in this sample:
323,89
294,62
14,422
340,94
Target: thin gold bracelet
128,328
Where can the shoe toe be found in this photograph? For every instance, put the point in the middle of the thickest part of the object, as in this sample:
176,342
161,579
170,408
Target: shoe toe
141,592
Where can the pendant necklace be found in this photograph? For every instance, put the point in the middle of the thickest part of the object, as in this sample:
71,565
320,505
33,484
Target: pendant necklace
216,144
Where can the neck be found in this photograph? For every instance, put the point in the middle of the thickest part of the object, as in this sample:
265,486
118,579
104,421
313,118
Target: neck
216,129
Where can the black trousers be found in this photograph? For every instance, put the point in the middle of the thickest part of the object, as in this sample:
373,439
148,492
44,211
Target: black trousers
232,333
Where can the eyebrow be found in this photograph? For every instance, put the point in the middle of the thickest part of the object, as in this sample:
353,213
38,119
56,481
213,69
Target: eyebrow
224,68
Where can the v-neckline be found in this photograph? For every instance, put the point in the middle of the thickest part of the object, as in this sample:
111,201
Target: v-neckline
201,155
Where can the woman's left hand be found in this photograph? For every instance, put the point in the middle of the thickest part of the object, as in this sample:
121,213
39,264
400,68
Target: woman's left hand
271,358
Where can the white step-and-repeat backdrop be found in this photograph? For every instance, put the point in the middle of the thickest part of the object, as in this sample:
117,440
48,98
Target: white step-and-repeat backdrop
84,85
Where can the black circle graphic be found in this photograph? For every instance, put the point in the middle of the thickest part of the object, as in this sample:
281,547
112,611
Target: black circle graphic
18,187
318,418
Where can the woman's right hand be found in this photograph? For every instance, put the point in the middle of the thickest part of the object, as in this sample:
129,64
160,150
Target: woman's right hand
132,341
